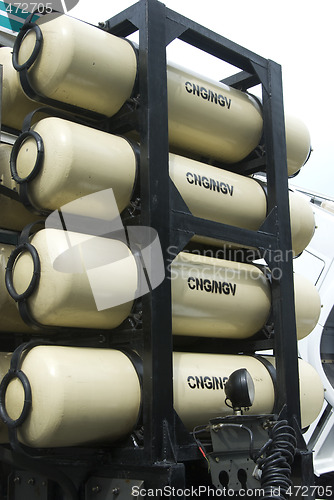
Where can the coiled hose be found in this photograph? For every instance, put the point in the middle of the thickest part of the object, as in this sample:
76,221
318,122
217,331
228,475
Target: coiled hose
275,459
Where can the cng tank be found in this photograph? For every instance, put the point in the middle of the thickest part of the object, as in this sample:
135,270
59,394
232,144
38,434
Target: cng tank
207,293
10,317
80,64
213,120
15,105
86,395
13,214
65,173
199,381
79,396
218,298
63,298
206,118
76,160
222,196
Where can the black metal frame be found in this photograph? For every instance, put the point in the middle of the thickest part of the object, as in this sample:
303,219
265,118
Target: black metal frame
166,444
158,26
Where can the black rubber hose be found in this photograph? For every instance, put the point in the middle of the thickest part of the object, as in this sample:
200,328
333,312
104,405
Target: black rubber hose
275,460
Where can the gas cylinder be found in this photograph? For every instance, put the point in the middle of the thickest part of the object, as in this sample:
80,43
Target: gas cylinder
88,395
65,297
13,214
65,173
218,298
207,293
69,67
76,161
206,118
79,396
307,305
298,143
15,104
199,381
10,317
222,196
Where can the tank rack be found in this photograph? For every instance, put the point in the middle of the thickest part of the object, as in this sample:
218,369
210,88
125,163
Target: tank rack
166,453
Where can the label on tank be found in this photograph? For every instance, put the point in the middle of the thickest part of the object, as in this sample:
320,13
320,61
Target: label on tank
211,286
208,95
209,183
206,382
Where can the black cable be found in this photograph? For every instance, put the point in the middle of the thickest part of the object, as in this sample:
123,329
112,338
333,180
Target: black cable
275,459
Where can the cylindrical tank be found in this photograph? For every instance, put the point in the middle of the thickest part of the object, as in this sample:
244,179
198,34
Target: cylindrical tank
67,298
222,196
85,395
210,118
70,69
66,174
208,294
307,305
13,214
10,317
298,143
79,396
219,298
206,118
77,161
302,222
199,381
15,104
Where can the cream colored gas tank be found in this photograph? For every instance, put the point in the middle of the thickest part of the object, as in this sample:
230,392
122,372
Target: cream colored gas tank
218,298
199,387
10,317
77,161
64,295
82,395
222,196
15,104
13,214
302,222
79,396
80,64
298,143
211,118
307,305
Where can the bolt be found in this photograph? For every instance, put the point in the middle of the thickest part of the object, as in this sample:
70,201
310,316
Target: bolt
217,459
115,491
31,481
17,479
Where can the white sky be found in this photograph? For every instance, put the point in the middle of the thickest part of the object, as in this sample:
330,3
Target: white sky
298,34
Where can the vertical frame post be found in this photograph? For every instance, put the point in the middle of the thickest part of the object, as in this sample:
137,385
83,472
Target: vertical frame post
280,258
154,178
